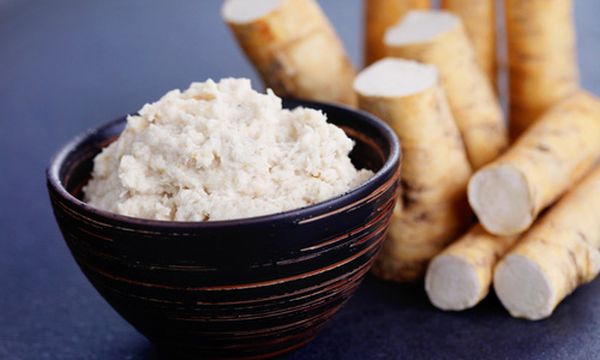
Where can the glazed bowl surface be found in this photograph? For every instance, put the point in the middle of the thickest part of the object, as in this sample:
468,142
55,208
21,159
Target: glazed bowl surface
247,288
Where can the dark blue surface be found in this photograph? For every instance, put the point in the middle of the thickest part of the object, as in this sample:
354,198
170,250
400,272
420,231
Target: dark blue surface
67,65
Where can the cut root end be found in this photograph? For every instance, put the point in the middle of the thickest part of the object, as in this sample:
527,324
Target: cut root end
245,11
523,288
500,197
420,26
392,77
452,283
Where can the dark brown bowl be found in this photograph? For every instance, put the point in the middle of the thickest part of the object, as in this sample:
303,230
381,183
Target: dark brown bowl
248,288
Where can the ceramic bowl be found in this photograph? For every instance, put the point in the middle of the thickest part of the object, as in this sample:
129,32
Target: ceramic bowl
247,288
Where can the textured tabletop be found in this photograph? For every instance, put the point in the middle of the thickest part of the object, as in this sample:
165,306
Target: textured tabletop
68,65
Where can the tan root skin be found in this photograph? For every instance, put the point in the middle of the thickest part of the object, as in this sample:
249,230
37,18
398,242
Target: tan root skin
553,154
379,15
542,57
561,252
470,95
295,50
433,210
479,18
460,276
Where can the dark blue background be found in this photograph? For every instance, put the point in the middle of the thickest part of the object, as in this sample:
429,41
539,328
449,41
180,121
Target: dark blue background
67,65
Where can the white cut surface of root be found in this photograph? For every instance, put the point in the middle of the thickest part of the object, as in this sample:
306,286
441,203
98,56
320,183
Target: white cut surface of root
244,11
523,288
420,26
395,77
500,196
452,284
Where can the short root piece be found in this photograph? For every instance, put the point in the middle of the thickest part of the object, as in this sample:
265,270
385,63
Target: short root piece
432,210
561,252
552,155
293,47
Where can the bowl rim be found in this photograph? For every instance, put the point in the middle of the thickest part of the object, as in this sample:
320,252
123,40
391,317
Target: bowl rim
386,170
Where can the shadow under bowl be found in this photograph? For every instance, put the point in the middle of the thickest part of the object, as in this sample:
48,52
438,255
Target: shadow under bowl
247,288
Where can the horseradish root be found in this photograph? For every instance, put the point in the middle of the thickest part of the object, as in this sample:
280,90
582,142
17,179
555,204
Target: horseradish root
438,38
479,18
294,48
380,15
542,57
557,255
460,276
433,209
554,153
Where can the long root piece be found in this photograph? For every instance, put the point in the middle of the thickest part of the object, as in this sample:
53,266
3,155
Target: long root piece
379,16
438,38
557,255
293,47
479,18
542,57
553,154
460,276
433,210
